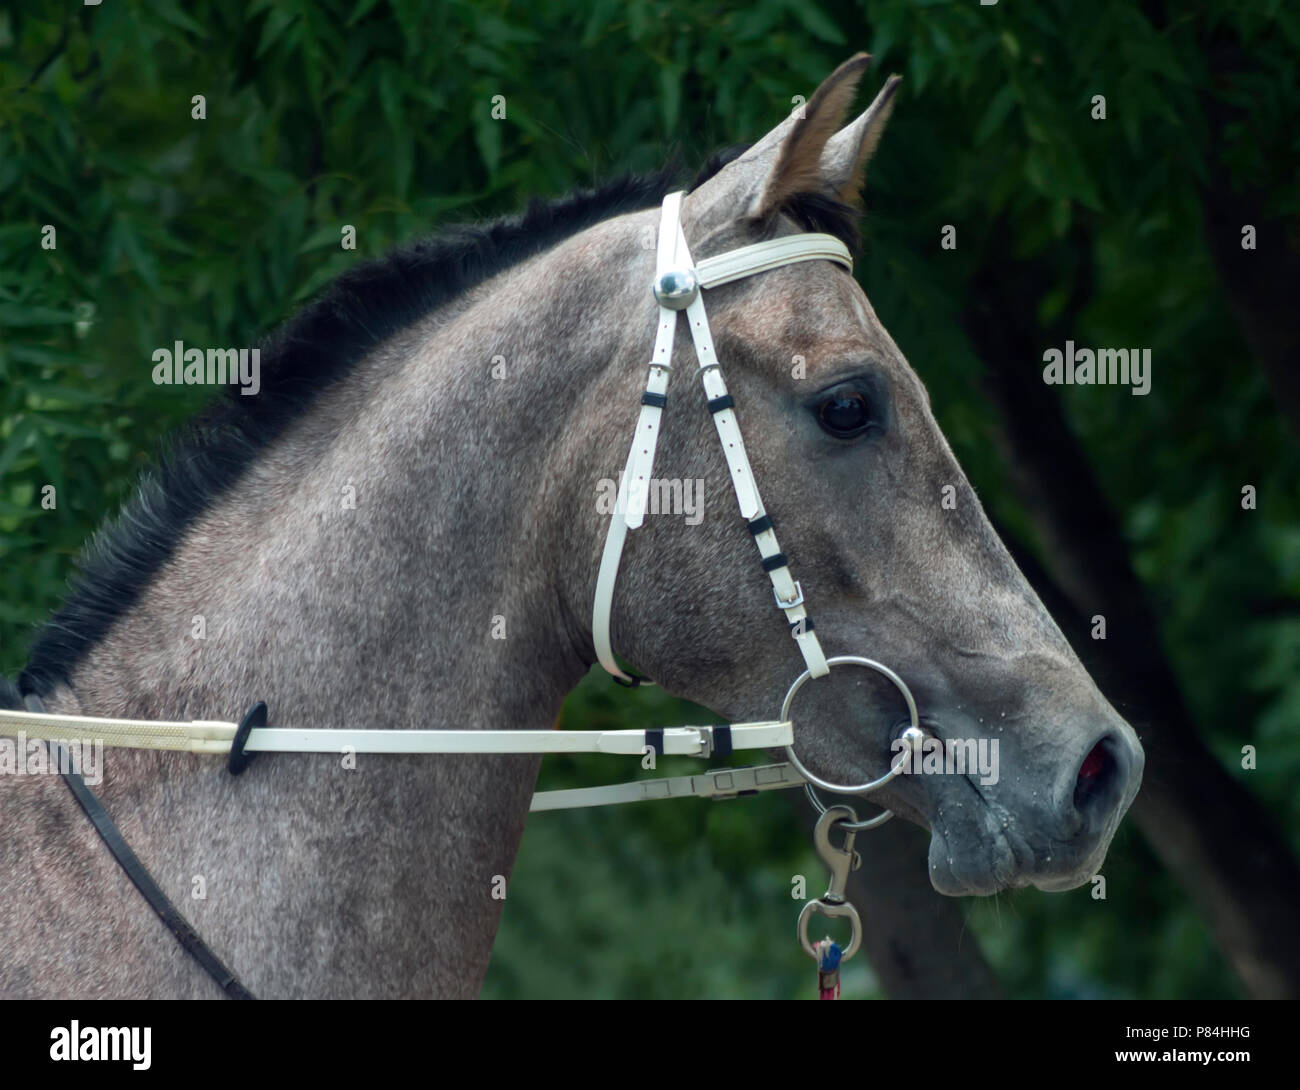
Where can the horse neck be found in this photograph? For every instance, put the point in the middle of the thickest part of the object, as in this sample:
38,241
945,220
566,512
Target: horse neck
406,554
416,536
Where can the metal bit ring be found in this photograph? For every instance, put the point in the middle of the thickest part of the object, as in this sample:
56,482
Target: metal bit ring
913,733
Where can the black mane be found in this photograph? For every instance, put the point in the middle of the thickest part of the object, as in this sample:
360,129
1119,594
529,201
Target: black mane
314,349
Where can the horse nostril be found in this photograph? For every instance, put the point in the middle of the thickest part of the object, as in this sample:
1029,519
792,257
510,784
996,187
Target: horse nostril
1096,775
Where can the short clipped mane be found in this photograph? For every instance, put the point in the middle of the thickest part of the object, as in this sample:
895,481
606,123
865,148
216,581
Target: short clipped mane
309,353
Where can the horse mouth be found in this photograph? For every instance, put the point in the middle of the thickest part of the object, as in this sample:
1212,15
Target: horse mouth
964,863
981,844
983,857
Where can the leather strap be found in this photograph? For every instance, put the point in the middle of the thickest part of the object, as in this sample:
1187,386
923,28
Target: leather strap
721,783
196,736
633,486
771,254
641,456
788,594
213,737
677,741
140,877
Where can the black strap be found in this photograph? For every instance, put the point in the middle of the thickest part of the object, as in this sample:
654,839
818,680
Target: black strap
139,875
722,740
239,760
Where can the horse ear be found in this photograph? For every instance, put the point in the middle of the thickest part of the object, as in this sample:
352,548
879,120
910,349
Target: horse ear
847,153
798,164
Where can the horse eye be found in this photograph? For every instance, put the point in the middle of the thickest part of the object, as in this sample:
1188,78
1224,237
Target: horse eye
845,414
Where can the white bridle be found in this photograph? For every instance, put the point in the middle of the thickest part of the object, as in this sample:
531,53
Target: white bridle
678,285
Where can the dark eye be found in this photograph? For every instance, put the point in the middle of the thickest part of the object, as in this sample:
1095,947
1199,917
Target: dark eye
845,413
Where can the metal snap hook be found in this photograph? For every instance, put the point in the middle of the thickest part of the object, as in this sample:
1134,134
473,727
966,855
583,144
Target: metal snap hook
841,862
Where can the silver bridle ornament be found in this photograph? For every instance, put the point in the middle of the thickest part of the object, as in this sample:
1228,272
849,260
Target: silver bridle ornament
676,289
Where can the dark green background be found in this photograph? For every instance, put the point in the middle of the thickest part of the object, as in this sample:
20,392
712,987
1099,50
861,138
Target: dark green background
321,112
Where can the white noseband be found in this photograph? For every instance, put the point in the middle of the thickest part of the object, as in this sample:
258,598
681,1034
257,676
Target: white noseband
678,285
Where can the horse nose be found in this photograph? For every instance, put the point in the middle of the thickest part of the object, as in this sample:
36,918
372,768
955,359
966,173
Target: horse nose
1100,785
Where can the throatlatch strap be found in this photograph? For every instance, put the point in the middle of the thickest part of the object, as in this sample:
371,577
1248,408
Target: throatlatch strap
139,874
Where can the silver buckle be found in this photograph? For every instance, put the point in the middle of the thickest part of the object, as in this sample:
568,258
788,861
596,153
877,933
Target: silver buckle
706,741
798,597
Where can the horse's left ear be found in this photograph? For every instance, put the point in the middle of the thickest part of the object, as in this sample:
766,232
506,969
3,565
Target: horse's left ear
813,157
844,161
797,165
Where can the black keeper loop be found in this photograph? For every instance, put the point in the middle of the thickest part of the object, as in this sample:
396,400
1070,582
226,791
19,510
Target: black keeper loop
776,560
722,741
654,739
253,719
717,404
657,400
799,627
758,525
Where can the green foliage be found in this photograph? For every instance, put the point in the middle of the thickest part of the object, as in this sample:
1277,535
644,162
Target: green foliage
378,114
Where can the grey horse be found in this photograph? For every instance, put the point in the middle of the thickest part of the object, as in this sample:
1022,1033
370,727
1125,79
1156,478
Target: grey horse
401,530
